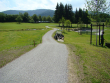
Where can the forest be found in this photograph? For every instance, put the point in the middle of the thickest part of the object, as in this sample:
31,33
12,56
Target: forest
66,11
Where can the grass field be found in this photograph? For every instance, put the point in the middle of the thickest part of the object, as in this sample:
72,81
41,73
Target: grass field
90,63
16,39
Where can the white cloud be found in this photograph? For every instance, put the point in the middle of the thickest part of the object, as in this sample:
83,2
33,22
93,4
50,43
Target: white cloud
37,4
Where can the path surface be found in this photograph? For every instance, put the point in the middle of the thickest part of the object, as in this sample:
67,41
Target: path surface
47,63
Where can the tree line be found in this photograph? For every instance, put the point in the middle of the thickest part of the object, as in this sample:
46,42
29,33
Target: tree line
78,16
24,18
67,12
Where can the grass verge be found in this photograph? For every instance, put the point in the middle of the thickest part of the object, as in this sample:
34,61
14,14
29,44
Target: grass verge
89,63
14,42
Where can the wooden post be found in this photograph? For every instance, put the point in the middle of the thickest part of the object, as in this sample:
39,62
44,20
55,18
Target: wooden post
96,33
103,27
99,34
34,42
103,30
91,35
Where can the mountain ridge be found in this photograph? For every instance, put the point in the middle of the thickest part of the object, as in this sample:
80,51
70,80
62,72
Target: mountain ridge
42,12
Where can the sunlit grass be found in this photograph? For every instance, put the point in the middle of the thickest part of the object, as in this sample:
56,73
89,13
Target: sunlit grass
15,40
91,61
24,26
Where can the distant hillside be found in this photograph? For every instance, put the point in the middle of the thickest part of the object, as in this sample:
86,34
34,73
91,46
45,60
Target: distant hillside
42,12
48,13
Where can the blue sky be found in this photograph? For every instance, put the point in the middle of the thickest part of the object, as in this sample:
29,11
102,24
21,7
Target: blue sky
38,4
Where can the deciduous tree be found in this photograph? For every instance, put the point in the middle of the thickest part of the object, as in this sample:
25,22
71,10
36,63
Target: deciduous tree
97,6
35,18
19,19
26,17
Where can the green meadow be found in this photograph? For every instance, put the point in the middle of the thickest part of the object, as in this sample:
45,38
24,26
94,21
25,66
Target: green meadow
17,39
90,63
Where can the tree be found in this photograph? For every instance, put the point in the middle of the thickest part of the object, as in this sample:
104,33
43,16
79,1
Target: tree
19,19
66,12
80,13
63,21
106,23
31,20
35,18
49,19
68,22
81,24
21,15
87,18
2,17
97,6
59,22
56,14
71,14
44,18
76,16
40,18
63,11
26,17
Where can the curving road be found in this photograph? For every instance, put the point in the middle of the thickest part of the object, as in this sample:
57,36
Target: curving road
47,63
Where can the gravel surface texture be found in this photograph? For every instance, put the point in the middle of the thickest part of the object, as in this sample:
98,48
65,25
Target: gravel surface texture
47,63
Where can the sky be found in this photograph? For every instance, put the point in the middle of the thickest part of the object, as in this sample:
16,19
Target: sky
38,4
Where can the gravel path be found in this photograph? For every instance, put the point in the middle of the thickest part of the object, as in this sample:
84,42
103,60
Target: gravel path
47,63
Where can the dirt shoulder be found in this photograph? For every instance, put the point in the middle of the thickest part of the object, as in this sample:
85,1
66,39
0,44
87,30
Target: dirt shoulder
73,66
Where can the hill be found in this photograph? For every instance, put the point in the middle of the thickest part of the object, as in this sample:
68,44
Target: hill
42,12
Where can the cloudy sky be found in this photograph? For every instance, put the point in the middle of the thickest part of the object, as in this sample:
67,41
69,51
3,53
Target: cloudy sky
38,4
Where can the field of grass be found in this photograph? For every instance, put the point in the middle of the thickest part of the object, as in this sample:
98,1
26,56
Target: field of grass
23,26
17,39
90,63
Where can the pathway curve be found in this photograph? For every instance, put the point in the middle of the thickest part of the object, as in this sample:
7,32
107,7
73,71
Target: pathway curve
47,63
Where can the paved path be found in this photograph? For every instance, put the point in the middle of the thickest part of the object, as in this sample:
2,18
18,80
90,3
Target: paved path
47,63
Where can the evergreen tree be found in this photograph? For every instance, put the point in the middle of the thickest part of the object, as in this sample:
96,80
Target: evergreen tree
87,18
76,16
56,14
61,11
2,17
66,11
83,17
80,14
71,14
